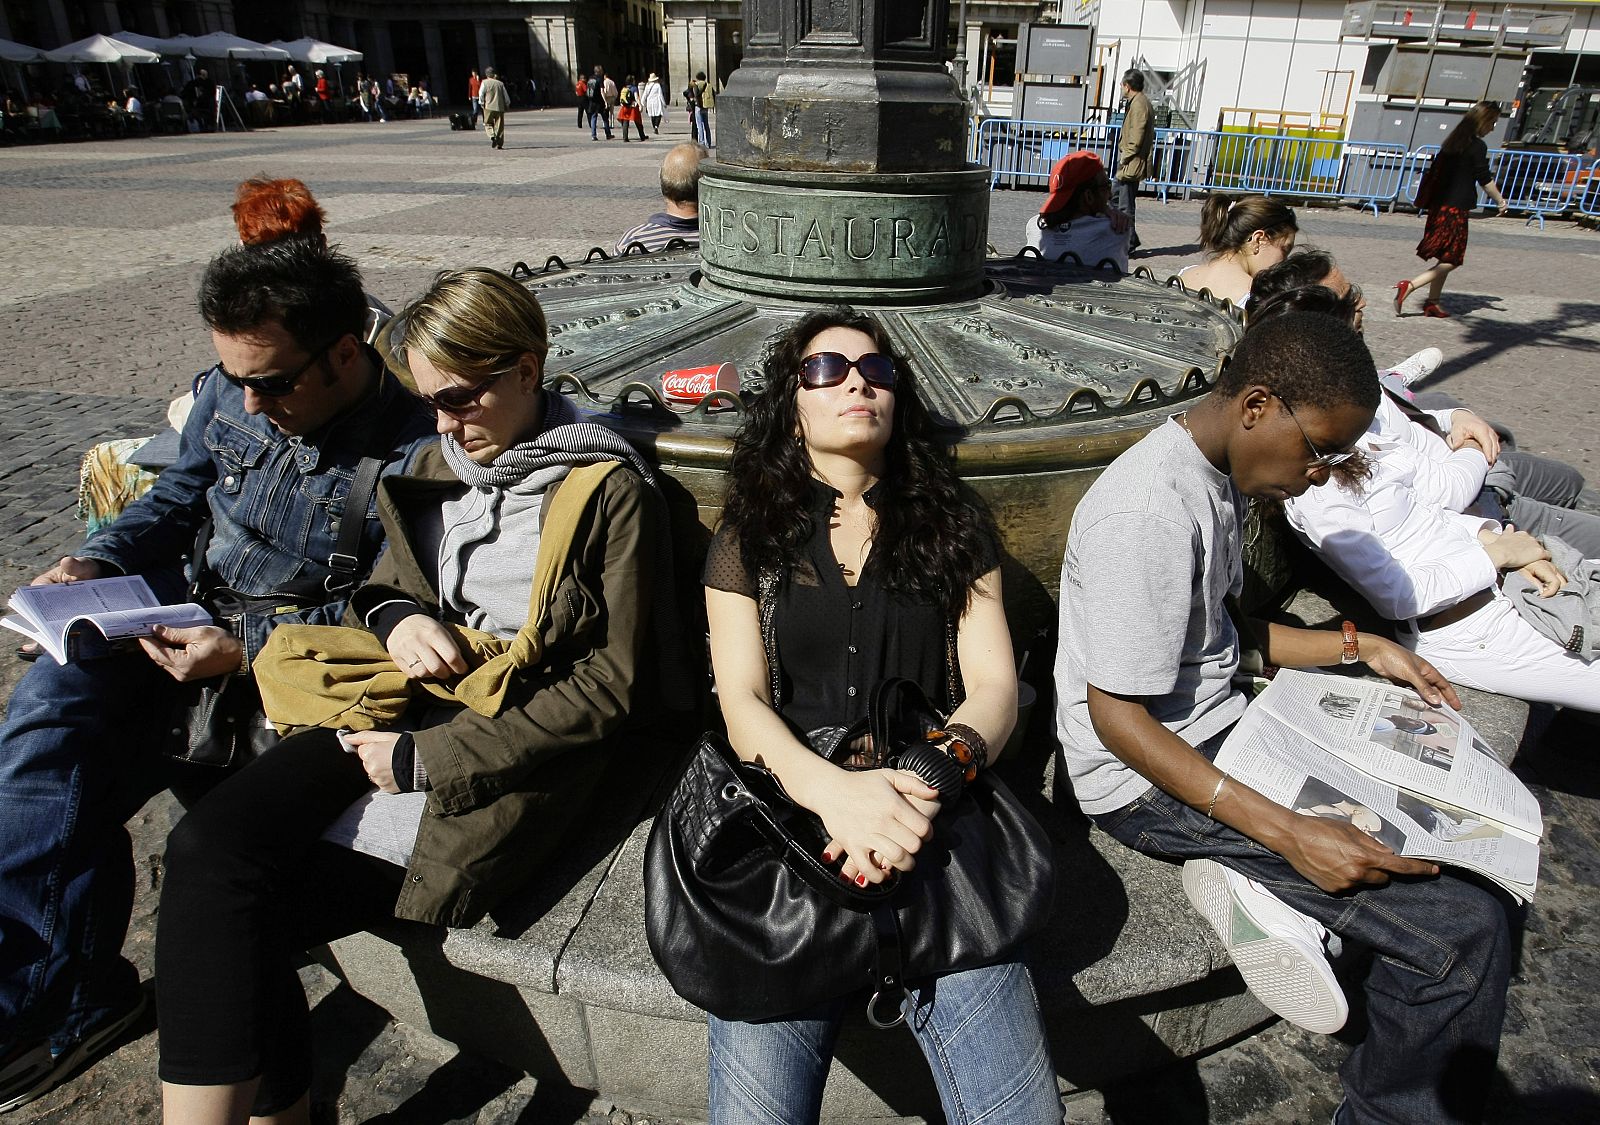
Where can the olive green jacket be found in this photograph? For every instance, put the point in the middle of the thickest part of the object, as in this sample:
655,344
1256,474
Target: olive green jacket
507,790
1137,139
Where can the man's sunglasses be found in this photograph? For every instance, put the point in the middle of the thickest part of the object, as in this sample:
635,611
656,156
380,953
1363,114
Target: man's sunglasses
459,402
829,369
1319,459
276,386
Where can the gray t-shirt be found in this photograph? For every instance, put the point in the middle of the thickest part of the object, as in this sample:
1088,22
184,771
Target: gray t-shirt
1151,556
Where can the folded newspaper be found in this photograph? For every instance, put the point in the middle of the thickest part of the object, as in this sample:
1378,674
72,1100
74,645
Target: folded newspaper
1411,774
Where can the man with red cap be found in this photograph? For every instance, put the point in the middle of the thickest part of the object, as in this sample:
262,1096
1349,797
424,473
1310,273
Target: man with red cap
1076,216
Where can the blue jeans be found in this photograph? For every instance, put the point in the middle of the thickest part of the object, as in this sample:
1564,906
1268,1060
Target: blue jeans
979,1029
1437,985
78,757
597,119
702,125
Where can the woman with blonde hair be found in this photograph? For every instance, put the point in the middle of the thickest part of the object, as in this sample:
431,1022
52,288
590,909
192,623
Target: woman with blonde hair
522,548
1243,236
1449,194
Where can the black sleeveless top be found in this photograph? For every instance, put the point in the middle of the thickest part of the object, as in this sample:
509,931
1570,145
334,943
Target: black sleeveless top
836,642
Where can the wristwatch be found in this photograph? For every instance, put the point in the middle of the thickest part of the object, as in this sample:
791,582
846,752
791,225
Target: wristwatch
1352,644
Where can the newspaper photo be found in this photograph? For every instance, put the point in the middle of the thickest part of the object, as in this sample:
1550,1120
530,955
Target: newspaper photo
1322,767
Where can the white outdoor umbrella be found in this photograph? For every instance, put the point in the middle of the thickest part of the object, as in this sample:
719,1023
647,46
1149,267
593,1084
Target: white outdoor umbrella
101,49
176,47
317,53
18,52
221,45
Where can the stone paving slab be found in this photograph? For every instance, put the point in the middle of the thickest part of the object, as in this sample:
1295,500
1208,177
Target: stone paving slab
102,244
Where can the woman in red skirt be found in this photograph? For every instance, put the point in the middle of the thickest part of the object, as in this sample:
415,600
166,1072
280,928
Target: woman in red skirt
1449,193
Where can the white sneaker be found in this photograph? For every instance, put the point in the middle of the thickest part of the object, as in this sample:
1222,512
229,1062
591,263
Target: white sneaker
1279,951
1414,369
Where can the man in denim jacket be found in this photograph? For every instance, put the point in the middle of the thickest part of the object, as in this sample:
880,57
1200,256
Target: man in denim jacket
278,429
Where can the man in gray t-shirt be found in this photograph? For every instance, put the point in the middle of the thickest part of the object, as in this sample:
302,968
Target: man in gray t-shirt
1159,500
1143,680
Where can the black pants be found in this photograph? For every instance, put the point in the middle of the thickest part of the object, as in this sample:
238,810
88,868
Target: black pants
249,886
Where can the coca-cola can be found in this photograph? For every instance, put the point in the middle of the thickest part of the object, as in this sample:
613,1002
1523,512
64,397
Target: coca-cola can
688,385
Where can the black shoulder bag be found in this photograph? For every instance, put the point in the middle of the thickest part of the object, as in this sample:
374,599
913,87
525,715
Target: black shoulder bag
747,922
220,723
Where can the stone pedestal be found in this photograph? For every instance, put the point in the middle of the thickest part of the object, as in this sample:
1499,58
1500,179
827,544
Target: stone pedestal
857,239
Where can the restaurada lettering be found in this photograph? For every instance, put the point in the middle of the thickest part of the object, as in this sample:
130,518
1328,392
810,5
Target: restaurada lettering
858,237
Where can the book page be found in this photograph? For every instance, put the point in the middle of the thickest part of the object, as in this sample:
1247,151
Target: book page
118,624
52,607
1392,734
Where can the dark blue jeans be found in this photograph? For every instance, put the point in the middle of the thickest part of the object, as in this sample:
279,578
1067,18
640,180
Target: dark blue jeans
1437,984
78,757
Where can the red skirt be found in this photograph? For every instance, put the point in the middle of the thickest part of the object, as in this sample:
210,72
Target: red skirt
1445,236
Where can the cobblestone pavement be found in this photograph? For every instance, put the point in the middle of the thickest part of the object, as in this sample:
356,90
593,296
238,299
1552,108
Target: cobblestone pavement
102,246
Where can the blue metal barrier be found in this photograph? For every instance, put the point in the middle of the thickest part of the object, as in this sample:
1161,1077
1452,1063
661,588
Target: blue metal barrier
1540,183
1589,202
1027,150
1186,161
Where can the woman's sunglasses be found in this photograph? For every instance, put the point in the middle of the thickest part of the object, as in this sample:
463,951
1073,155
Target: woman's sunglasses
276,386
458,402
829,369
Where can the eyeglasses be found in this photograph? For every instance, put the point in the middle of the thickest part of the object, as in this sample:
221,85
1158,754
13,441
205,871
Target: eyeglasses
1319,459
829,369
276,386
459,402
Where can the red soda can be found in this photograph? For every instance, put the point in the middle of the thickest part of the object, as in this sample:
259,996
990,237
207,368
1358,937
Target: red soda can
688,385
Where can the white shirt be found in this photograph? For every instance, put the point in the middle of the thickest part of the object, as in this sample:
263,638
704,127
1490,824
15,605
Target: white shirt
655,102
254,96
135,108
1401,541
1090,237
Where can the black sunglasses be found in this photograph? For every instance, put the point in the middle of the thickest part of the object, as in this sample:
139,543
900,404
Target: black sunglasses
829,369
1319,459
276,386
459,402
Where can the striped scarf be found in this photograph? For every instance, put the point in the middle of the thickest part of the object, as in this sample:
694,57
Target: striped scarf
566,440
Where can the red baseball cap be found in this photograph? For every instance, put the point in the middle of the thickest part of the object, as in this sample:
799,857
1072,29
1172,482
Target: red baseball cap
1071,172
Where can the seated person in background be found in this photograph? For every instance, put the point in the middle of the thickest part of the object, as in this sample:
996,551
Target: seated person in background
269,453
680,190
1243,236
131,105
266,210
1397,535
1456,455
1076,217
254,94
473,786
1145,699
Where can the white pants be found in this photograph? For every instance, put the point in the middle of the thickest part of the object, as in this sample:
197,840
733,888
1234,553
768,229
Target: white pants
1495,650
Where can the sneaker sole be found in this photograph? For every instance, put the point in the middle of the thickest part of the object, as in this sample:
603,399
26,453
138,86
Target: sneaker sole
1299,987
71,1060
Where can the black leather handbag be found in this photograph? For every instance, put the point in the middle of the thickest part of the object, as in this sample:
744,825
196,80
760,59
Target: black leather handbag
746,921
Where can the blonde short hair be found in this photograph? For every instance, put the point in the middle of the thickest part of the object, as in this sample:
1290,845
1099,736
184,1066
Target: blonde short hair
471,323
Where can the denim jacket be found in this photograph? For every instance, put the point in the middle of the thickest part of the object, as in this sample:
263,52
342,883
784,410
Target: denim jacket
275,501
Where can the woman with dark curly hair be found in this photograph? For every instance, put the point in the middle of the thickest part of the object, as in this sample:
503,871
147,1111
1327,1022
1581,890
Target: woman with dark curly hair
845,519
1449,194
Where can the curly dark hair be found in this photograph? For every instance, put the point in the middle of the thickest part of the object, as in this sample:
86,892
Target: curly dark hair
934,536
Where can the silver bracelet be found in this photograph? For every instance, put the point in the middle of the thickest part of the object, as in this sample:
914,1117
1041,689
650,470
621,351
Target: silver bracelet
1215,793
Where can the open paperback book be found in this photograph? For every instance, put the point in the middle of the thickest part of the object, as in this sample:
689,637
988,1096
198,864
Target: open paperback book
83,620
1411,774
